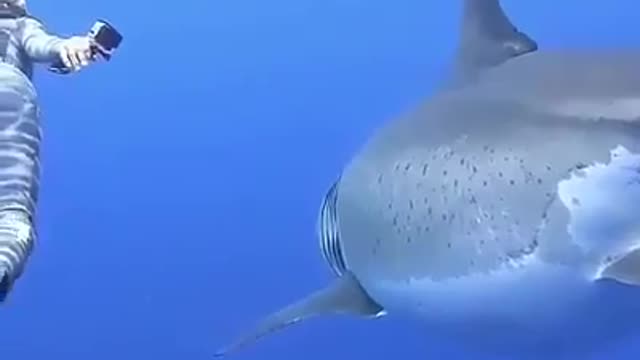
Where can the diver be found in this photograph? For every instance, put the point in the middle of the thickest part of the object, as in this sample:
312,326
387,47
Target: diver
24,41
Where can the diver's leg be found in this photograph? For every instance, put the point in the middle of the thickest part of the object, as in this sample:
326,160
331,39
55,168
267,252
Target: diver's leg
19,175
16,242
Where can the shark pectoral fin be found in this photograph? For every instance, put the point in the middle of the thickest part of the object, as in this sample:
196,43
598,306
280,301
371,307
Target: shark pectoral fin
344,295
626,270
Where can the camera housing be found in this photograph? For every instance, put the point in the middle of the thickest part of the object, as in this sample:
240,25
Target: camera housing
105,39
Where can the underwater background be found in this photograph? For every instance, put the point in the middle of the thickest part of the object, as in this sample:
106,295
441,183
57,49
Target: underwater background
182,180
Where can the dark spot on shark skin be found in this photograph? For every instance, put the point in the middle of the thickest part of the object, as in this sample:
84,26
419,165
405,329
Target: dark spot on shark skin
425,168
411,205
528,177
448,155
575,201
407,167
379,179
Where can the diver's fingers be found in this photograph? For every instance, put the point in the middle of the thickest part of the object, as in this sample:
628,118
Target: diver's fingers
83,51
69,57
74,58
79,55
87,56
64,56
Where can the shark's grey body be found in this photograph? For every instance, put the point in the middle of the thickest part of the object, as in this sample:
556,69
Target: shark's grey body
499,210
495,216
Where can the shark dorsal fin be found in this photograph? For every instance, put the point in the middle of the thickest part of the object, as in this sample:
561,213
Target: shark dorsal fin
488,38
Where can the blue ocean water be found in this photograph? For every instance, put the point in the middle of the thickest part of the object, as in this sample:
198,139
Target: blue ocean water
182,180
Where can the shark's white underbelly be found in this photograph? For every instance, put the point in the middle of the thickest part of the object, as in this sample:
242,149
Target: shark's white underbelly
517,311
518,296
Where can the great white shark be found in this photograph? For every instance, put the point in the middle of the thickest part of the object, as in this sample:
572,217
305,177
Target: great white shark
504,212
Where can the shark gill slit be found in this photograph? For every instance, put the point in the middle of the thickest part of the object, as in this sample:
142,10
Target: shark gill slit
328,231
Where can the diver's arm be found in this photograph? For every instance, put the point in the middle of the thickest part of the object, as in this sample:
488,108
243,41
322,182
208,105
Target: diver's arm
38,44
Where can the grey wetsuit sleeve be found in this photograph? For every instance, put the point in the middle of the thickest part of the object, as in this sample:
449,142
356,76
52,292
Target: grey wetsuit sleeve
37,43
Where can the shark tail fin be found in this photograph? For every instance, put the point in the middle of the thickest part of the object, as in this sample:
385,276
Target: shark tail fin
344,295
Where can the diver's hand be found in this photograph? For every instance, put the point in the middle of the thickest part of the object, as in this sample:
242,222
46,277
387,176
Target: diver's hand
75,52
